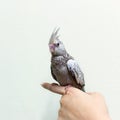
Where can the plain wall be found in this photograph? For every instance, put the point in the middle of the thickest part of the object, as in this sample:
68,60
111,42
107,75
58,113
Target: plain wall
90,30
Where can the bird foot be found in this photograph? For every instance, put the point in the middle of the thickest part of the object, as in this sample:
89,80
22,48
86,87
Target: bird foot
67,86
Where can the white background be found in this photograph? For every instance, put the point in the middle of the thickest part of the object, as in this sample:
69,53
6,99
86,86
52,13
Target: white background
90,30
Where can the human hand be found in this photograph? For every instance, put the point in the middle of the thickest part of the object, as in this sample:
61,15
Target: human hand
78,105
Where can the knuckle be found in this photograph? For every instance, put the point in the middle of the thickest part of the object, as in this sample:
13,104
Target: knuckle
59,112
97,94
60,118
62,100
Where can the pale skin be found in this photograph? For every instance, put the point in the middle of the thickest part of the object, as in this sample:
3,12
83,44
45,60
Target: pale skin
78,105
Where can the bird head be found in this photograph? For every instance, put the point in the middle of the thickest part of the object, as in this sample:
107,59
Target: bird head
56,46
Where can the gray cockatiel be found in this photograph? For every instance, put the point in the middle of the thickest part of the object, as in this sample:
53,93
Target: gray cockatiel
64,68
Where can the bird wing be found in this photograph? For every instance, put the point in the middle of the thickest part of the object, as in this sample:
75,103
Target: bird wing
76,72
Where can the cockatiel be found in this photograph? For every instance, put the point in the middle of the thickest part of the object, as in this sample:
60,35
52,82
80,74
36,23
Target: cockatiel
64,69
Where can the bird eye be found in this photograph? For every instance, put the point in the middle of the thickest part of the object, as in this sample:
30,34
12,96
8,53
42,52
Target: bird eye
58,44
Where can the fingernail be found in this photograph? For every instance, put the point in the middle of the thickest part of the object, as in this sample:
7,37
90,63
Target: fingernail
42,84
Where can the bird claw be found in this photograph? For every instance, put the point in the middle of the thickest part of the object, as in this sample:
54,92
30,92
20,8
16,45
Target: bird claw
68,86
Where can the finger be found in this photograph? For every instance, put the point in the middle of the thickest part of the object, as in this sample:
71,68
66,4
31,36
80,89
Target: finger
74,90
54,88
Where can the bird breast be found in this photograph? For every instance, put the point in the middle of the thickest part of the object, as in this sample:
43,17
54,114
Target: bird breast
59,64
60,70
59,61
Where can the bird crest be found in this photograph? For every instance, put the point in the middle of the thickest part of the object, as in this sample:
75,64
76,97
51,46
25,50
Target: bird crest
54,35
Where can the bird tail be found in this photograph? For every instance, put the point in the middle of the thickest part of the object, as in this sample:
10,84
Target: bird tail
83,89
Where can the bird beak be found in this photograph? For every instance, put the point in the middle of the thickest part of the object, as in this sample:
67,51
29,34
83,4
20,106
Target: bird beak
52,48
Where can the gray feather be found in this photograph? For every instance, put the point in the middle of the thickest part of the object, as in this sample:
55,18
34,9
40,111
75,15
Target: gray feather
52,73
54,35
